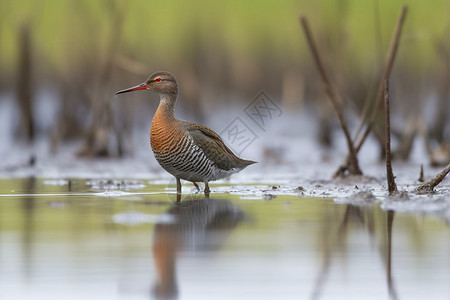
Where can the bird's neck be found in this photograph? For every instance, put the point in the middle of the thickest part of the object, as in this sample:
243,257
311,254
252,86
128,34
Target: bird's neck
164,124
166,107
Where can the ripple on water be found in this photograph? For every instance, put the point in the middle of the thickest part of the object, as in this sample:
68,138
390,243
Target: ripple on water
136,218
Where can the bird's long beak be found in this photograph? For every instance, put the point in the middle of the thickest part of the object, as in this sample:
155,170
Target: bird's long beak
142,86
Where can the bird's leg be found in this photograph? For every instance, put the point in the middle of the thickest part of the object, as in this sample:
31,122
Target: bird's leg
178,185
207,190
196,186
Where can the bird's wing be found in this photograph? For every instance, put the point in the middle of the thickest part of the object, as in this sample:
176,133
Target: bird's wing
214,148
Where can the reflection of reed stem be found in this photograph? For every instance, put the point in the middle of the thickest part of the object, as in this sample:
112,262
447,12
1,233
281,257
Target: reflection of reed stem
390,282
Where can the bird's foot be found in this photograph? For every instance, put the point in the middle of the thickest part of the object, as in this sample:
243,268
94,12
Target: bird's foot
178,185
196,186
207,190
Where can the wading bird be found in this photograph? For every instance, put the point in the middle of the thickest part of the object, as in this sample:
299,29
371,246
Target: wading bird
187,150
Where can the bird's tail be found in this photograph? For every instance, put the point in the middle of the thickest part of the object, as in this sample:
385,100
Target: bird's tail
245,163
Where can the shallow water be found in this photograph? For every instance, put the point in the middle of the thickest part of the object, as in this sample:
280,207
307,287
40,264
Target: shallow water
94,239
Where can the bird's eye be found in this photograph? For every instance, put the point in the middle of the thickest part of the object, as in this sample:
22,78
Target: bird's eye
158,79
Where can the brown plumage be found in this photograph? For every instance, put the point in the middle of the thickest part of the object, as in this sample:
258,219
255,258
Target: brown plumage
187,150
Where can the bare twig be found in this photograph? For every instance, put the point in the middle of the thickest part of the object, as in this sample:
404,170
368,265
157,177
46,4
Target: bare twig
386,73
392,187
438,127
429,185
25,83
377,28
332,95
421,176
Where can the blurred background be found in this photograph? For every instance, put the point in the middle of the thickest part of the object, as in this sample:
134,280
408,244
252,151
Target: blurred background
62,61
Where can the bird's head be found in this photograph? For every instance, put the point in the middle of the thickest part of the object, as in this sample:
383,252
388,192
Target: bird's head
160,82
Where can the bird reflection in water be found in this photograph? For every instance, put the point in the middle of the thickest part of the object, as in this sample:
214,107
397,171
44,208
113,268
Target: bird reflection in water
198,225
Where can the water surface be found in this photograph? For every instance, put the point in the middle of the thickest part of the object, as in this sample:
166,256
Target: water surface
91,239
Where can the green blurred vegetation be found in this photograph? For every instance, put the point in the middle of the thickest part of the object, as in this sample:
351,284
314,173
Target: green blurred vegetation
66,32
223,53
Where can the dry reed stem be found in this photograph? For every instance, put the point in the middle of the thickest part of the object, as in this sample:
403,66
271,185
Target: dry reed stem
392,187
421,175
25,83
429,185
386,73
332,95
